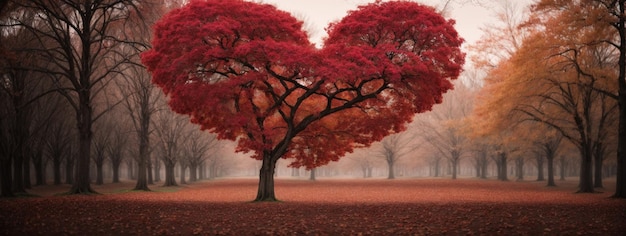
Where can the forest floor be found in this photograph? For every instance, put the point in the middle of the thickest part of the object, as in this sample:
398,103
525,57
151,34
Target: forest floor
323,207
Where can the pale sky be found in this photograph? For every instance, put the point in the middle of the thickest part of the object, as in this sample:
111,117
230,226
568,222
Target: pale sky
469,16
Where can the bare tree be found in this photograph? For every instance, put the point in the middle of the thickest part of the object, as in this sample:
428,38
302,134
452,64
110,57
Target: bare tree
82,45
396,146
170,131
442,127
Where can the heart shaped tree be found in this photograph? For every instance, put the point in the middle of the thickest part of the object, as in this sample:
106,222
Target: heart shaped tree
247,72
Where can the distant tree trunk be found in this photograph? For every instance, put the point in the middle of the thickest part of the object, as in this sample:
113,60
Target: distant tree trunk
157,170
519,166
129,168
115,165
27,158
551,170
312,176
20,137
38,165
183,169
56,170
540,176
437,167
266,179
390,164
149,171
477,168
202,170
193,174
99,172
456,155
144,154
586,171
598,157
502,167
69,169
5,176
169,173
562,167
483,167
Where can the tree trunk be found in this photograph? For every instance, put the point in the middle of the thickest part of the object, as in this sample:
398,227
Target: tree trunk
502,172
454,163
483,167
142,181
157,171
56,169
82,182
519,162
69,170
27,184
183,169
169,174
39,171
99,174
540,176
562,168
551,171
586,174
312,176
149,172
597,166
5,176
193,174
390,164
266,180
477,168
116,171
130,168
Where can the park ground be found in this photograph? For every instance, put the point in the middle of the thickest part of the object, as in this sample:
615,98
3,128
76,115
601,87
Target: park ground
323,207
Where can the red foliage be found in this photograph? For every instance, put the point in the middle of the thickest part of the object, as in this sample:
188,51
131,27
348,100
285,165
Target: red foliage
327,207
247,72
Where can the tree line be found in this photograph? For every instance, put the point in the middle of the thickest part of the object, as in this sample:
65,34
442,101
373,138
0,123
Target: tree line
75,96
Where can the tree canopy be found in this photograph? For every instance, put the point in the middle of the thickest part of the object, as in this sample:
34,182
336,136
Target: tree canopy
247,72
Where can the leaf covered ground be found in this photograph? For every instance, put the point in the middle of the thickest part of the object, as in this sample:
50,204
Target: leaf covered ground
323,207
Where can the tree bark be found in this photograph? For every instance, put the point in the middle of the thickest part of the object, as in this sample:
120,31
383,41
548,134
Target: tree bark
483,168
82,182
69,169
116,172
265,192
99,172
586,174
39,171
390,164
597,173
502,170
540,176
455,163
183,169
144,142
519,168
193,174
157,171
169,174
551,171
5,176
27,158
